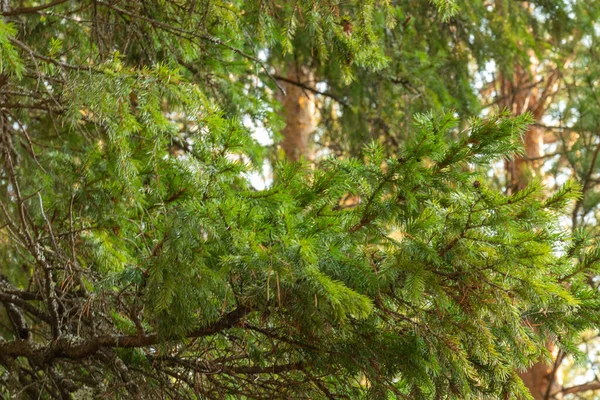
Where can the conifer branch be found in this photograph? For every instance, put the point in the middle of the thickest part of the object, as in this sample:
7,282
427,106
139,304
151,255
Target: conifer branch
74,350
188,34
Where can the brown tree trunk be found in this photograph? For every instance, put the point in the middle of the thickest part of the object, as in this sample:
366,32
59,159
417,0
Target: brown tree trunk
544,381
523,169
526,92
300,113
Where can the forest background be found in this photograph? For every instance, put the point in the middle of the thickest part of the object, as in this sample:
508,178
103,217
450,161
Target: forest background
299,199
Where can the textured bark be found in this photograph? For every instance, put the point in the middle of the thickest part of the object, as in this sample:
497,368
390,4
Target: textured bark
524,92
300,113
524,168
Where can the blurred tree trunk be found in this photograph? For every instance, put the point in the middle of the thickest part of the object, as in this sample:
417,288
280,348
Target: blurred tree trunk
544,380
524,92
300,113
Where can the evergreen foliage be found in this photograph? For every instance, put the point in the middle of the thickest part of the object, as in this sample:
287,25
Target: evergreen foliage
139,261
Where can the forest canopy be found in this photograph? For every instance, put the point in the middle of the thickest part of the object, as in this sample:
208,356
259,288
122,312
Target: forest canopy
308,199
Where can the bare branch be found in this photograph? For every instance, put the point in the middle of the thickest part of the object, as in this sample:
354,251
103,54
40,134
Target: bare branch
594,385
311,89
32,10
70,349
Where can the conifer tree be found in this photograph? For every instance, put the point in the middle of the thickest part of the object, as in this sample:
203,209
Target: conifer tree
139,261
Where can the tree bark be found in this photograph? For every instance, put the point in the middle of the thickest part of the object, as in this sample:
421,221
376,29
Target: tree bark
544,381
300,113
525,92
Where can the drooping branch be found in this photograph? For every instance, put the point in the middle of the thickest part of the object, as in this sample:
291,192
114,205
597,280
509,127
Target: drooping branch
68,348
32,10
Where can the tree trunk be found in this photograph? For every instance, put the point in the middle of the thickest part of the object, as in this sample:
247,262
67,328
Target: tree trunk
300,113
523,169
544,381
526,92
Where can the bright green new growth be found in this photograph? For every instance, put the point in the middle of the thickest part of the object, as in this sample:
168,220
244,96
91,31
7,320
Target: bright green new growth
149,266
10,61
429,287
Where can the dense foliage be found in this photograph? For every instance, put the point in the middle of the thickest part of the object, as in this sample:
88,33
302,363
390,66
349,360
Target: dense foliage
139,261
